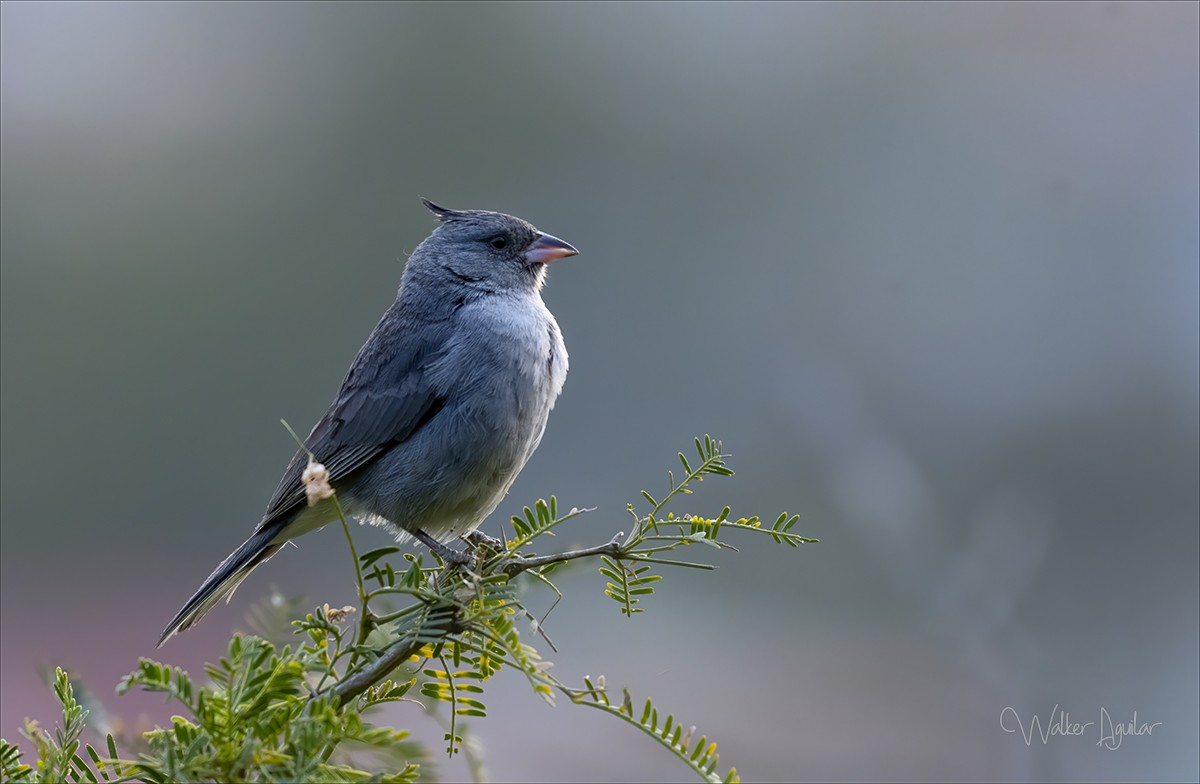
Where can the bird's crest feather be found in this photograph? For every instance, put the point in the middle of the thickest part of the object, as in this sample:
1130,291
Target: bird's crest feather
443,214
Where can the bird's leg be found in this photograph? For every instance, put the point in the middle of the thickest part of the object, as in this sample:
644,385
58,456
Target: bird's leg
448,555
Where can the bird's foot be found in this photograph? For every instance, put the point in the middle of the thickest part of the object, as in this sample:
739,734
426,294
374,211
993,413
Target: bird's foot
478,538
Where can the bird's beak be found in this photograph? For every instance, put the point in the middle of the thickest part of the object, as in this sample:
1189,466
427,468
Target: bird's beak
547,248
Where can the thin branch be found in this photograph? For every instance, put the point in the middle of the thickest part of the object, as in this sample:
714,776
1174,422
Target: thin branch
376,671
515,566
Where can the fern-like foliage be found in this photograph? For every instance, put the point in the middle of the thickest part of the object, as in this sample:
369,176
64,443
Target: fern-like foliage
539,521
58,754
700,756
479,637
626,565
281,712
256,720
626,583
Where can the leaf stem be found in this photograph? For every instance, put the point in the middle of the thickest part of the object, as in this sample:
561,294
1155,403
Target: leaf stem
365,620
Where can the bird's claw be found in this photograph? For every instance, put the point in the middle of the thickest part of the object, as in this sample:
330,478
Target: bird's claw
479,539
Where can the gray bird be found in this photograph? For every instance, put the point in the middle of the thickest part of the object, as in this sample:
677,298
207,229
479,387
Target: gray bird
442,406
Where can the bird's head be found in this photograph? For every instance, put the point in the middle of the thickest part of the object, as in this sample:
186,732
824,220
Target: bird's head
487,251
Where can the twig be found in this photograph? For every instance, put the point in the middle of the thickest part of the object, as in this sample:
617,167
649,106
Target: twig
372,673
514,566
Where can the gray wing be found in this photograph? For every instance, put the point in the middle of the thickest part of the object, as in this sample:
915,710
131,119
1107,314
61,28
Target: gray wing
387,396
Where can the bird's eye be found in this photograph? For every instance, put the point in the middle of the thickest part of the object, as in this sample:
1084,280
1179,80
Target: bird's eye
499,242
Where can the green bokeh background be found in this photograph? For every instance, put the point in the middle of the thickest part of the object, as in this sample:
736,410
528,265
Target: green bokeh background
930,271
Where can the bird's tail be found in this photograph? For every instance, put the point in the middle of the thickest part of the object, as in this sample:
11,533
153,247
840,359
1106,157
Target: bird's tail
225,579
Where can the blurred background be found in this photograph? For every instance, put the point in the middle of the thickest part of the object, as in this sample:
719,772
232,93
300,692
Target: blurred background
930,272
